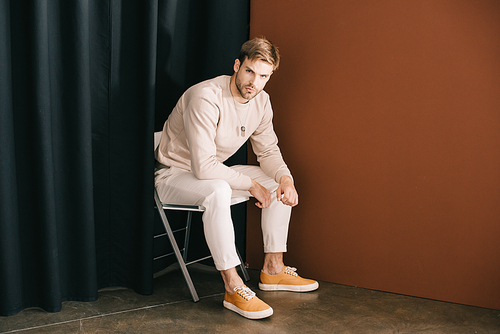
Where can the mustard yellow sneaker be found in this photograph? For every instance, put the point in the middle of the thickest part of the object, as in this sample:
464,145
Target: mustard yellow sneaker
287,280
244,302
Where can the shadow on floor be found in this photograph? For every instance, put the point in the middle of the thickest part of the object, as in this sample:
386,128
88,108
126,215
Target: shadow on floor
333,308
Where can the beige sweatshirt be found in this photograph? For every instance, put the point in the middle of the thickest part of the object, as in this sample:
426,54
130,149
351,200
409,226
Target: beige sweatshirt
204,129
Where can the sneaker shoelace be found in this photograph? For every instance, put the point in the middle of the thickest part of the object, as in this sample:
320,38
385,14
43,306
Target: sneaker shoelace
291,271
244,292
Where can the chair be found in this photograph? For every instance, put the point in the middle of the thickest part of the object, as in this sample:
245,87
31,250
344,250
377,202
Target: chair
181,254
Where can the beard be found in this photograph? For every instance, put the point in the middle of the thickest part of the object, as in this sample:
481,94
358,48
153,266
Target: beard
242,89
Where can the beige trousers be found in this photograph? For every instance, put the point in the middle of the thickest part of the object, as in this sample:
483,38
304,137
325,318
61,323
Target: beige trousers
178,186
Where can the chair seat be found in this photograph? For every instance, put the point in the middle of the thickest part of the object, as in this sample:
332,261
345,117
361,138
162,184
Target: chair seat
199,208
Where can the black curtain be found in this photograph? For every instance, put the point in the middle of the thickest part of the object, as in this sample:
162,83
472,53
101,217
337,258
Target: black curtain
83,85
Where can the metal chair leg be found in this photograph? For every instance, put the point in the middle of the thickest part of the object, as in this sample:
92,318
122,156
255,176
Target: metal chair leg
178,254
242,267
186,236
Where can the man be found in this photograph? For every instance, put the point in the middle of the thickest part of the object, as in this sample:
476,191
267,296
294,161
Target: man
210,122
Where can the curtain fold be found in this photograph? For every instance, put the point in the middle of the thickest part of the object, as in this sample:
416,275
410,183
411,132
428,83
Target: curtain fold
83,84
9,233
75,123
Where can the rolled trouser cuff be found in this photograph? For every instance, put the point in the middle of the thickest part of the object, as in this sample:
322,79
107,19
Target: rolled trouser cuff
275,249
227,264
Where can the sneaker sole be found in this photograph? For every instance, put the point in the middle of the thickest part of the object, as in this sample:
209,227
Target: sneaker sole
293,288
249,315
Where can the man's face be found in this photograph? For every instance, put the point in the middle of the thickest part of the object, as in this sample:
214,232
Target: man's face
251,77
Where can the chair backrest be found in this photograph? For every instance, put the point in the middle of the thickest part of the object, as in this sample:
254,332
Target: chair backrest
157,139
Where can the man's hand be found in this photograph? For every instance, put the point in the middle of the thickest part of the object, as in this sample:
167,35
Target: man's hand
261,194
286,192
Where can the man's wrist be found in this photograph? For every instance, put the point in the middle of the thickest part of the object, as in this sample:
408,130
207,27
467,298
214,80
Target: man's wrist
286,178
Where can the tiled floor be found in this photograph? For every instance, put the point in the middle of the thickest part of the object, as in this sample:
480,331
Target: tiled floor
331,309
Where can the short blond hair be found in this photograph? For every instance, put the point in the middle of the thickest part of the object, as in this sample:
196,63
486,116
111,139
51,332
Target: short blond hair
262,49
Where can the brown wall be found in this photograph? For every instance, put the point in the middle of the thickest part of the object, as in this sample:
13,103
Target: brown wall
388,114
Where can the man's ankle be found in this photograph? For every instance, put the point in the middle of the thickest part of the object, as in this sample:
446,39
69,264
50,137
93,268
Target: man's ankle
231,280
274,270
273,263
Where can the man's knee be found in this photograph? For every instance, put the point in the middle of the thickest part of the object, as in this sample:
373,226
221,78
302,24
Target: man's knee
220,190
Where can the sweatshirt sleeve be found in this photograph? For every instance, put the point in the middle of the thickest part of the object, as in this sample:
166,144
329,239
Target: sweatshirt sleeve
200,122
265,146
